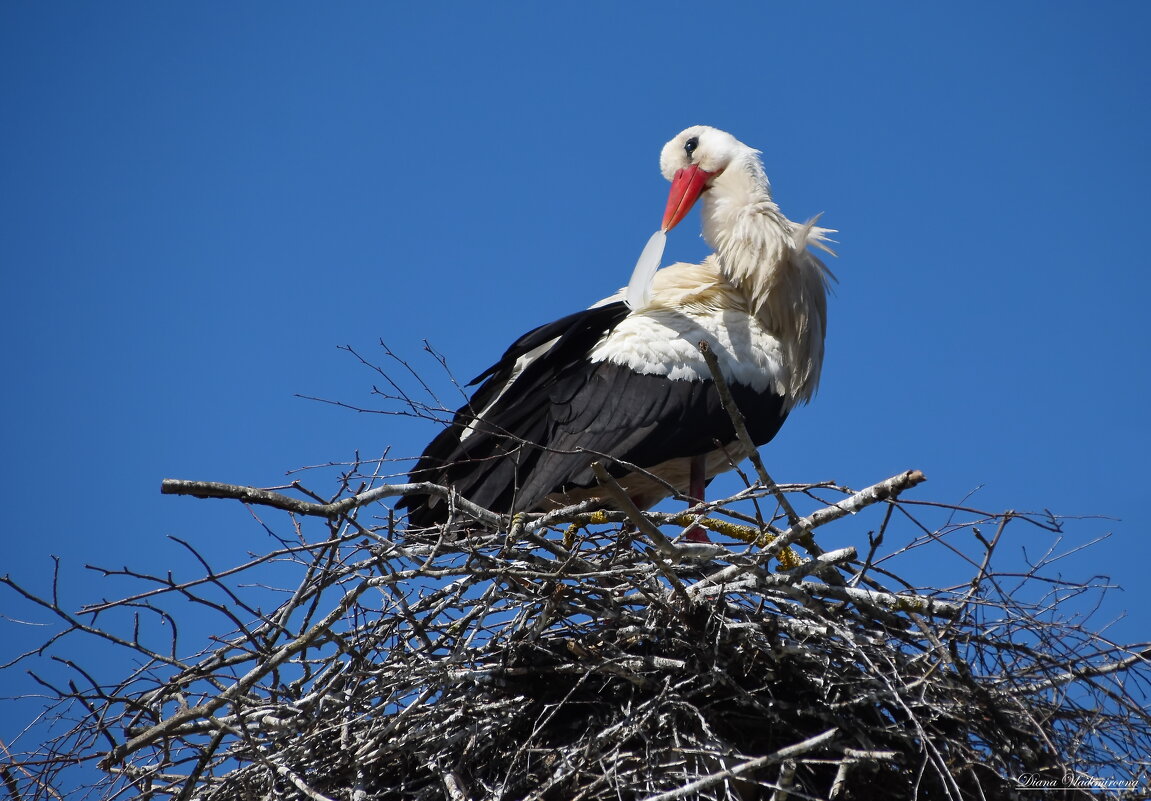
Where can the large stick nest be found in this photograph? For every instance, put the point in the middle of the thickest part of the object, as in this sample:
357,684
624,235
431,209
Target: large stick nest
583,656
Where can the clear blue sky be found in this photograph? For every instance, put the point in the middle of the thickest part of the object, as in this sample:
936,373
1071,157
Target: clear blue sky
200,202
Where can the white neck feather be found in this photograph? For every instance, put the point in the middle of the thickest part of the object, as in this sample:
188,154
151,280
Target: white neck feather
765,256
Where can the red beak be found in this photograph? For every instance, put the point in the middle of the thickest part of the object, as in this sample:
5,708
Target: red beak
685,190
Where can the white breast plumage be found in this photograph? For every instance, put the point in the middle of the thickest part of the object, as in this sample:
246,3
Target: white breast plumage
666,342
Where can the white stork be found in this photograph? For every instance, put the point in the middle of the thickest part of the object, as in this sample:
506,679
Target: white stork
625,378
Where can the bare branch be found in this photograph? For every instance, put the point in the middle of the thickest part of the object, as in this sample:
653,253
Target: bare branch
799,749
276,500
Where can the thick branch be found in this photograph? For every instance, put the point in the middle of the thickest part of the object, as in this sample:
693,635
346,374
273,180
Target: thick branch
262,497
791,751
883,491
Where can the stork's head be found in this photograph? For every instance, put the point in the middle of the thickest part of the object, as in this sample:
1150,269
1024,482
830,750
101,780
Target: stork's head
693,160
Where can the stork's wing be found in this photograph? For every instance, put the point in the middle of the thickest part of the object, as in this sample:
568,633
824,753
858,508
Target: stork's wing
535,426
469,453
641,419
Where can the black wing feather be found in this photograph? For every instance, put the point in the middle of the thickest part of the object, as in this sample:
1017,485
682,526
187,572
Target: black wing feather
541,435
484,466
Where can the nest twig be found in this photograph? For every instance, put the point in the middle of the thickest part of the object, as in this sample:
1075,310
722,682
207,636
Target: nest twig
458,663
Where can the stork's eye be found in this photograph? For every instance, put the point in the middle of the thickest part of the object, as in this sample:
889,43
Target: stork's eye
690,145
